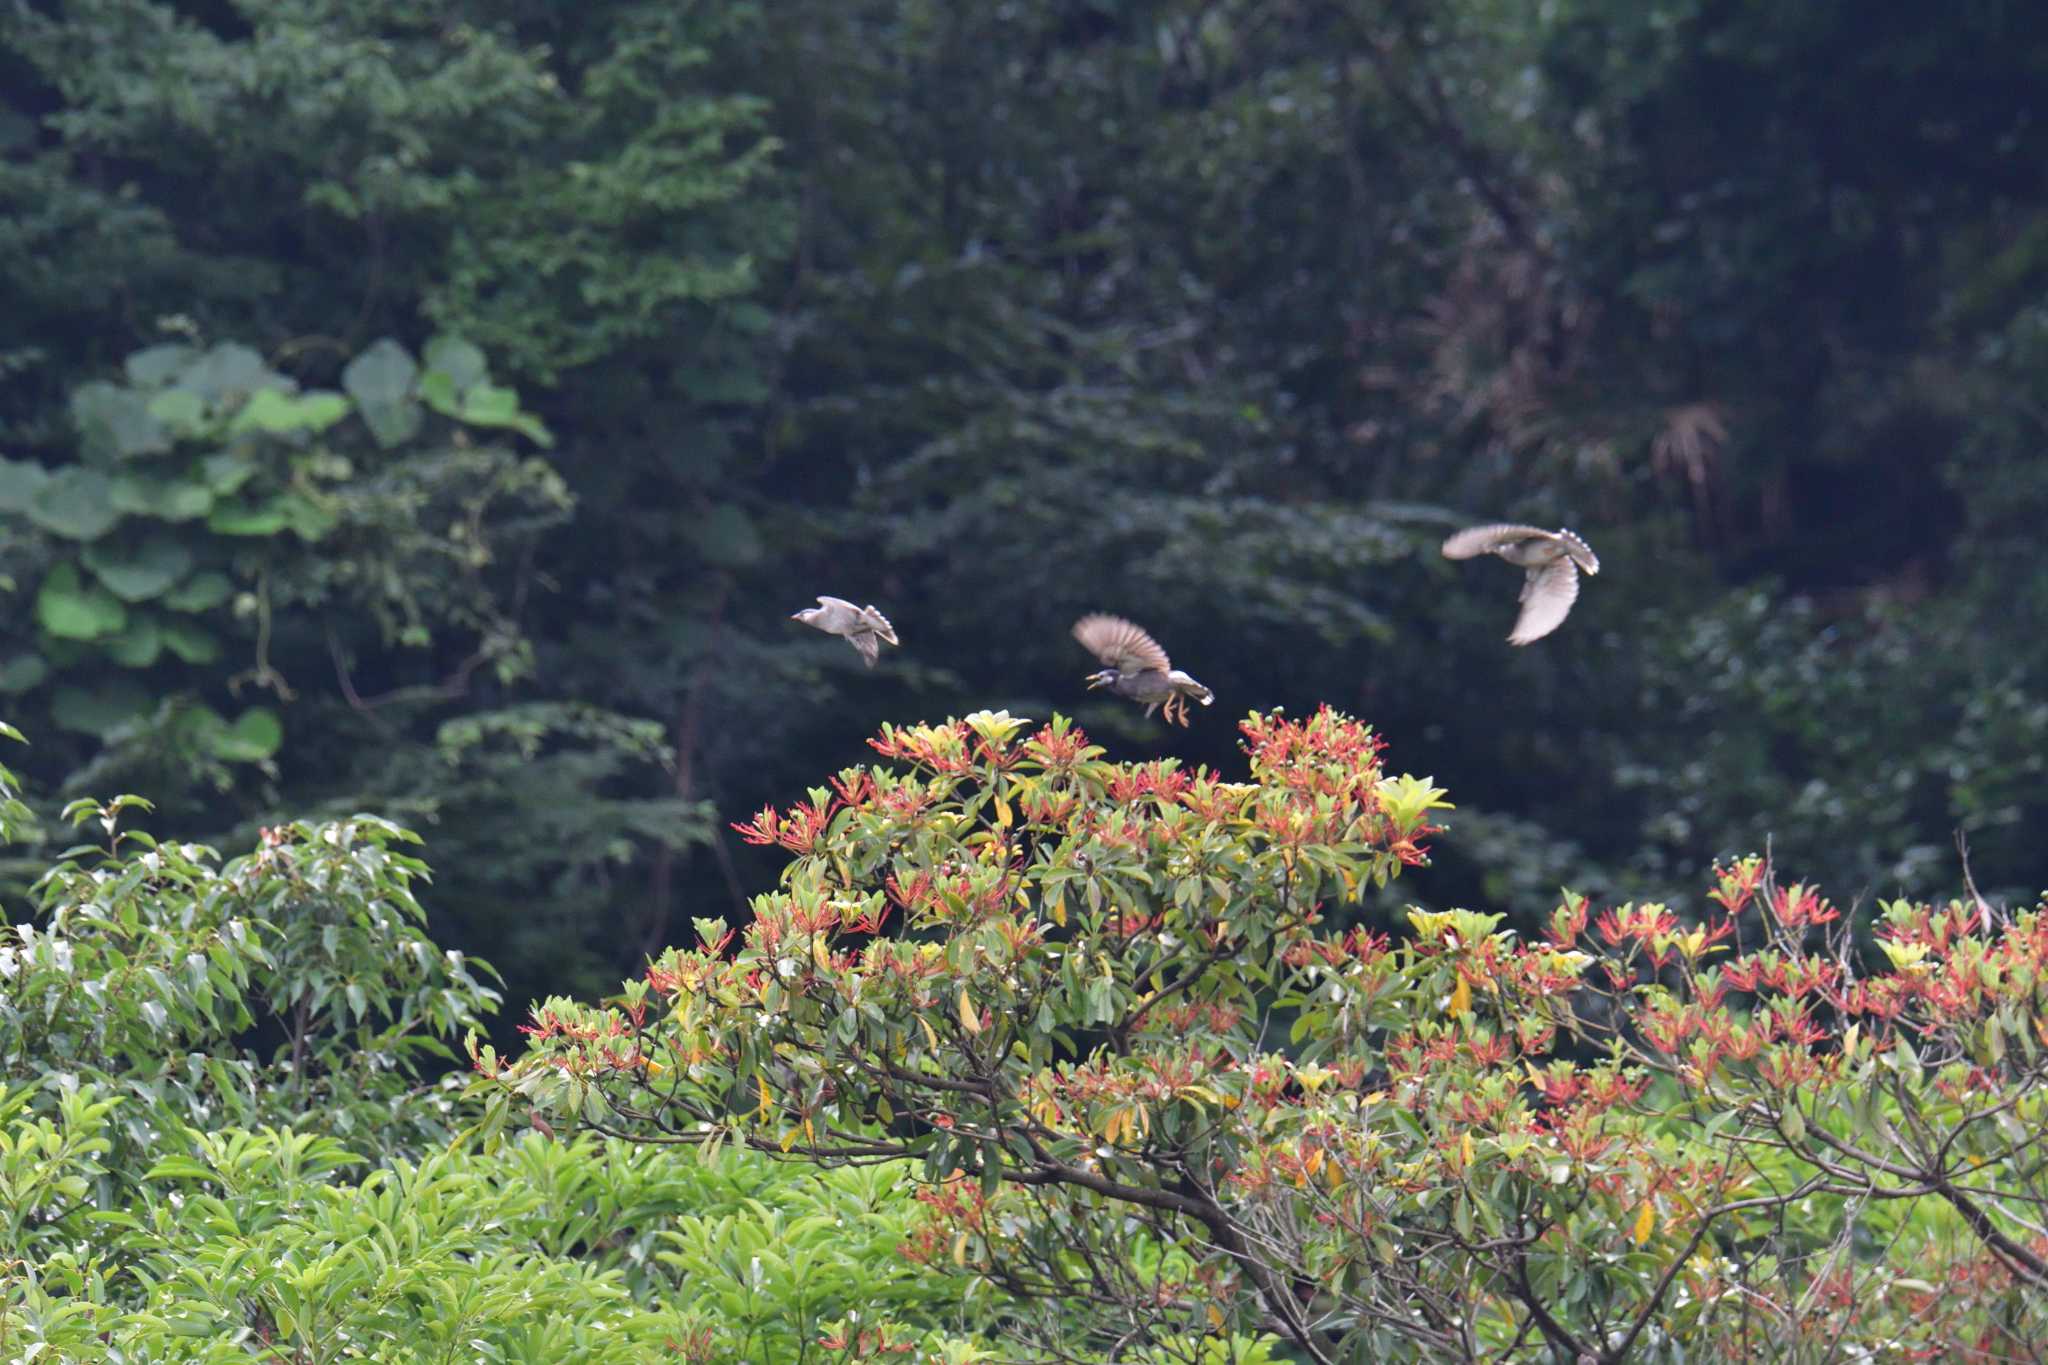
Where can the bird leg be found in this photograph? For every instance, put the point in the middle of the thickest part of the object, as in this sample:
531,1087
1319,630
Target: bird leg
1177,700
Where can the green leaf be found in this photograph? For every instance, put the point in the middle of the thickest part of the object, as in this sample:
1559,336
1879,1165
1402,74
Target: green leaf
73,610
19,481
253,737
284,414
76,503
190,642
181,411
99,710
202,592
155,366
115,423
382,375
226,472
136,571
146,495
23,672
461,362
237,519
308,518
138,645
228,371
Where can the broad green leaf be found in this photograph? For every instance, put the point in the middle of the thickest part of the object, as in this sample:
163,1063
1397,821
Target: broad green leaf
181,411
284,414
76,503
237,519
148,495
226,472
23,672
139,570
382,375
96,710
201,592
155,366
227,371
252,737
190,642
115,423
452,356
136,646
75,610
19,480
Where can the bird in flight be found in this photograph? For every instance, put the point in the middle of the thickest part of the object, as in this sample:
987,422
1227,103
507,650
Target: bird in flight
1134,666
862,627
1552,560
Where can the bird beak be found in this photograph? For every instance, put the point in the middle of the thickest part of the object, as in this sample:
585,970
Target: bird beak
796,616
1094,680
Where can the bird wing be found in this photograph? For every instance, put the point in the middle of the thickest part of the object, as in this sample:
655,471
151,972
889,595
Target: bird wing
879,623
1120,644
840,602
1486,540
1547,598
869,645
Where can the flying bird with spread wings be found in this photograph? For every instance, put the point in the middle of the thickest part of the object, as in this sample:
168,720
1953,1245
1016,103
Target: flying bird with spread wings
1552,561
862,627
1134,666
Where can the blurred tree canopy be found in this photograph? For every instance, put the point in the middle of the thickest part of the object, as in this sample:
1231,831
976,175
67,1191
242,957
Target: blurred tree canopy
532,363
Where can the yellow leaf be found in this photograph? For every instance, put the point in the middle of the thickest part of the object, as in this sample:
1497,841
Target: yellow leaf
1215,1317
788,1139
819,955
1646,1222
929,1037
970,1018
960,1249
1004,818
1059,908
1465,1148
654,1068
1461,997
767,1100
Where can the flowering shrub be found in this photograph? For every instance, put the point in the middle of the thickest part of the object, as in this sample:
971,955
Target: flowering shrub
1160,1084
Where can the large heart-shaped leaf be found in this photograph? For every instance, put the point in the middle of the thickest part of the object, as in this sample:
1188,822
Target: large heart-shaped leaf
155,366
22,672
253,737
463,363
75,610
115,423
148,495
190,642
203,591
19,482
136,571
227,371
99,709
137,646
75,502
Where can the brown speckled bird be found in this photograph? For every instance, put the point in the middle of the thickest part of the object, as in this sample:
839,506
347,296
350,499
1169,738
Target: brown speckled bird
1135,666
1552,560
863,627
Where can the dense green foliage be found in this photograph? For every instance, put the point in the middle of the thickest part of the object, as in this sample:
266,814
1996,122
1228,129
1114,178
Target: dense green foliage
1215,314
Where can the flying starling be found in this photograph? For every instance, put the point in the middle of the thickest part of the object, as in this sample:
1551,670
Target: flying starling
1135,666
1552,560
864,627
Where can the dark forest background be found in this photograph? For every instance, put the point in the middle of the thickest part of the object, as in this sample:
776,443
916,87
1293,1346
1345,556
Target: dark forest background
602,336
